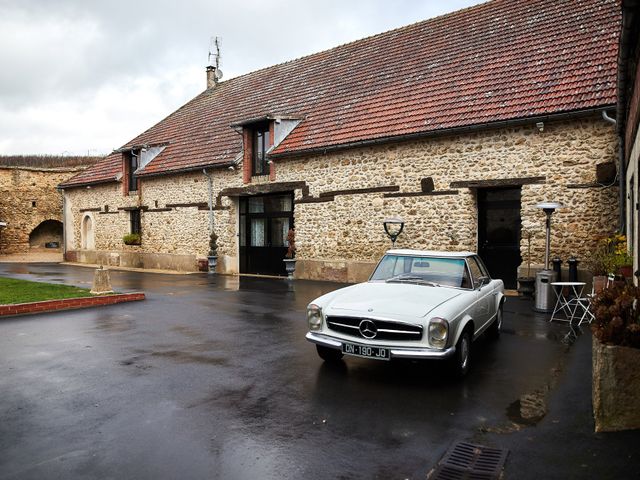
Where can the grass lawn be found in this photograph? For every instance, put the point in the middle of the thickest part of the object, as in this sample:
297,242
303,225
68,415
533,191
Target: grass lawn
23,291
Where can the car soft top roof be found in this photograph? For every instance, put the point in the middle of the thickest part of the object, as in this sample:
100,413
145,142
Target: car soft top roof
429,253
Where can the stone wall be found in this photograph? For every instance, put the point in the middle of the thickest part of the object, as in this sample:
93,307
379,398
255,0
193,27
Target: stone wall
174,221
28,197
340,235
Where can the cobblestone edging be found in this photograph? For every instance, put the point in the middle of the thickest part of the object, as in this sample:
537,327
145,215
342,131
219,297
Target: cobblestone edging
67,304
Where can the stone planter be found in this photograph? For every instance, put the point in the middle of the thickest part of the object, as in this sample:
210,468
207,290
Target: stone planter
616,387
290,265
526,286
213,261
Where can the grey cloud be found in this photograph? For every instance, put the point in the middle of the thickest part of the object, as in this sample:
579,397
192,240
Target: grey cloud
52,50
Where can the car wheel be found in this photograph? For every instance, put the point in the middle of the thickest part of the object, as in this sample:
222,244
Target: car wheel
329,354
462,357
496,326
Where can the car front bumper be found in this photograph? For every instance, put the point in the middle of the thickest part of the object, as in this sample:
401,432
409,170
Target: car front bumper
396,352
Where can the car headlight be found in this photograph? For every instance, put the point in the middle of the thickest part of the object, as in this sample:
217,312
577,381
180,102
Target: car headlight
314,317
438,332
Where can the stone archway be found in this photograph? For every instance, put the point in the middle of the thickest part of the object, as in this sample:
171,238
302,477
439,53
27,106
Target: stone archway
47,234
87,234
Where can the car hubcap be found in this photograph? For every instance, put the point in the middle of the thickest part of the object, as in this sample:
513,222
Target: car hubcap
500,319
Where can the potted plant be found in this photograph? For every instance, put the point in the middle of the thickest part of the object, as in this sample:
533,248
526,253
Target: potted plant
212,258
610,258
132,239
526,285
290,256
616,358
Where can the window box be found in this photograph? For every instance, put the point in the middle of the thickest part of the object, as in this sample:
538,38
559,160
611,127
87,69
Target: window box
132,239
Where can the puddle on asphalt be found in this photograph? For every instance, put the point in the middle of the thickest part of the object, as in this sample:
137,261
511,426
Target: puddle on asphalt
187,331
18,269
121,323
137,363
532,407
194,354
186,357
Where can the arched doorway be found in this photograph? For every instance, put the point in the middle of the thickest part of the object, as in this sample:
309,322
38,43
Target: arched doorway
88,239
47,234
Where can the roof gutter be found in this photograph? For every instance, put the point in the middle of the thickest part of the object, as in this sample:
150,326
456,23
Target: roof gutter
88,184
231,163
444,131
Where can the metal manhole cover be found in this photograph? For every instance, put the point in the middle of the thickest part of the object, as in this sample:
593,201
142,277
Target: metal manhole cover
466,461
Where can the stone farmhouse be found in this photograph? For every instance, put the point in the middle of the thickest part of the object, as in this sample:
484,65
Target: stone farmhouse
30,206
459,124
628,120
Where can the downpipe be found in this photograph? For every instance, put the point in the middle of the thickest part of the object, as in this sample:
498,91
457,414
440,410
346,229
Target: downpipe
208,175
621,175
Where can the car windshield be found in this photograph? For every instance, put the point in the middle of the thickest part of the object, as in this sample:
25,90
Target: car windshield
434,271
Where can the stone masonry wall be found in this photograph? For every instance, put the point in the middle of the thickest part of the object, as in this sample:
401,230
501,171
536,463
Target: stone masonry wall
169,225
565,153
28,197
341,239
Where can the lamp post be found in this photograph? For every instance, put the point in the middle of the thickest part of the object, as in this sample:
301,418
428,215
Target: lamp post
2,225
544,278
393,228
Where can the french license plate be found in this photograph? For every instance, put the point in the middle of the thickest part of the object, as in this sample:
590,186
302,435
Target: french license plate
366,351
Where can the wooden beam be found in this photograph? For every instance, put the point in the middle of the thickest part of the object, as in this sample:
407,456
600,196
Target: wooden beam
499,182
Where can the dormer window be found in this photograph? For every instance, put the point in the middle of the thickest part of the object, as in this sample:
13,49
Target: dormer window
260,145
259,136
132,161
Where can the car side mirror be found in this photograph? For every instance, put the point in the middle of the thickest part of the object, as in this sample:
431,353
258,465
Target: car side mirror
482,281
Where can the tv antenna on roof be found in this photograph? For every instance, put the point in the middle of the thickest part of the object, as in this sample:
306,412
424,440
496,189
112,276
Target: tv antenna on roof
214,51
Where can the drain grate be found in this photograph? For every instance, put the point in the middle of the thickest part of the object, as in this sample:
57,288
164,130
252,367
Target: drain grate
466,461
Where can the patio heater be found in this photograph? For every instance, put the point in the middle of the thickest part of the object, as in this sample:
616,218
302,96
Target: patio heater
544,290
393,228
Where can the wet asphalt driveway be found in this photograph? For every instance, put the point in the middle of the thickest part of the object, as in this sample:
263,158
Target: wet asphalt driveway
211,377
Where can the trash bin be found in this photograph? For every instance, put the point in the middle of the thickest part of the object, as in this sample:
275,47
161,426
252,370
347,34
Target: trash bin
573,269
545,299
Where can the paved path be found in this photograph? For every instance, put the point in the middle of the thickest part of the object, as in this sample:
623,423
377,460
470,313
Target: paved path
210,377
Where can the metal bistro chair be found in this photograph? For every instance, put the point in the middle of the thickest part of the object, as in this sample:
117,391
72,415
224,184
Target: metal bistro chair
586,302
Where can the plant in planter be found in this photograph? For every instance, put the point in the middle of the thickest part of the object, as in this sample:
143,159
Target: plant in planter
290,256
616,358
527,284
608,259
132,239
212,258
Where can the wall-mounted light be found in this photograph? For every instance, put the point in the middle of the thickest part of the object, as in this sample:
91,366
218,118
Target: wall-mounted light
540,126
231,168
393,228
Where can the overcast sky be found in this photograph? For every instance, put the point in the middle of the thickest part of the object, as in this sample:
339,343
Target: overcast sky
86,76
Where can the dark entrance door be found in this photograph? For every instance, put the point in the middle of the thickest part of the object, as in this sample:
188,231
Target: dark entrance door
264,223
499,232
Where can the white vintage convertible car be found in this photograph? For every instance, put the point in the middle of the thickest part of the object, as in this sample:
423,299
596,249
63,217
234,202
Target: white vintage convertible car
417,304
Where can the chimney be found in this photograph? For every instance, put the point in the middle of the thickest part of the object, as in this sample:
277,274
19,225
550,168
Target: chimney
212,79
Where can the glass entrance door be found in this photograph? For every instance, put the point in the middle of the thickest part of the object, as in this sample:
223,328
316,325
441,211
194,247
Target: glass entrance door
265,221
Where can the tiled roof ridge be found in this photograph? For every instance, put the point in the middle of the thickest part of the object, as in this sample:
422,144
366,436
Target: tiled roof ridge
353,42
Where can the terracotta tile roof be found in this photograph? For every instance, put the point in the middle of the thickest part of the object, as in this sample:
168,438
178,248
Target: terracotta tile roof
501,60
